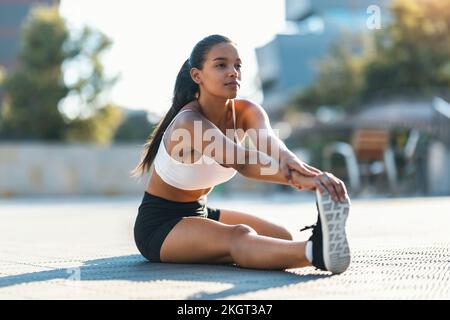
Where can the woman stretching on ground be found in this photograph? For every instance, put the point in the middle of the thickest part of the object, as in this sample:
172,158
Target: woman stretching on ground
174,223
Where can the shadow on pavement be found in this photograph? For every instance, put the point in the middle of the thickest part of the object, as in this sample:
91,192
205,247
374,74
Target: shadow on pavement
136,268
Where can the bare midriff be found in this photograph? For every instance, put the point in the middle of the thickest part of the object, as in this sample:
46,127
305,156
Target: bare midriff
160,188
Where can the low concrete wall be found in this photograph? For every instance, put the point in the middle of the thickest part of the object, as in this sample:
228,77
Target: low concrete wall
76,169
41,169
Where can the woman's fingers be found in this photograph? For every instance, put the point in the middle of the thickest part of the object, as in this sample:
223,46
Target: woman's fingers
339,187
343,190
328,184
322,189
311,168
325,183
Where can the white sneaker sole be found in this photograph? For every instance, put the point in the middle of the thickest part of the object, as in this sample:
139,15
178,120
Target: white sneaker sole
333,216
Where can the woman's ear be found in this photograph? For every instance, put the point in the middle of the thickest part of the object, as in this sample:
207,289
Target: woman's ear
195,75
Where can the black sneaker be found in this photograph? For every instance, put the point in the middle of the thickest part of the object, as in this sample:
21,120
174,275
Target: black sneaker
330,245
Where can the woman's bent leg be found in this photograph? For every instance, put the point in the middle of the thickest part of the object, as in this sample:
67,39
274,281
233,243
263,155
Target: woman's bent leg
199,240
261,226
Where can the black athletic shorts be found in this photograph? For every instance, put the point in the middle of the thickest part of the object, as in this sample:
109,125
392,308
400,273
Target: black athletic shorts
157,216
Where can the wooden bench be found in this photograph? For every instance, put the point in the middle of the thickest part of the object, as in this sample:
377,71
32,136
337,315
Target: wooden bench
370,144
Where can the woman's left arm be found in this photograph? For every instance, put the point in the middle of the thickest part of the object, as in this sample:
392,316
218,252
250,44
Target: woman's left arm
257,125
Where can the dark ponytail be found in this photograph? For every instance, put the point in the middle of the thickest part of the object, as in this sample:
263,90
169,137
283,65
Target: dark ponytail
184,92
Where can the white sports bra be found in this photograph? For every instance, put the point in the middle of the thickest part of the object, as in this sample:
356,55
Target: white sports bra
202,174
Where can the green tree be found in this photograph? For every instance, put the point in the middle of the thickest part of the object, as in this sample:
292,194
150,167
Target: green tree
34,90
98,128
96,120
2,110
135,127
34,93
87,48
412,55
2,75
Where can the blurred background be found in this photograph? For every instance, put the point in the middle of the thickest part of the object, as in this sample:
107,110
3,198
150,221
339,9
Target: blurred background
360,88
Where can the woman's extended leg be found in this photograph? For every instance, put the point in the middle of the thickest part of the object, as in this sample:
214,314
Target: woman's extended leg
200,240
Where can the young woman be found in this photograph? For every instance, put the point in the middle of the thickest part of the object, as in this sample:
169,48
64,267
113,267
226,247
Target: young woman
174,223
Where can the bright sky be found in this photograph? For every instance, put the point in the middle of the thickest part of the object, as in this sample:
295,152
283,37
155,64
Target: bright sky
152,39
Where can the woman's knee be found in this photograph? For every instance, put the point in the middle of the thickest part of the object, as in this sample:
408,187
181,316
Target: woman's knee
239,244
240,230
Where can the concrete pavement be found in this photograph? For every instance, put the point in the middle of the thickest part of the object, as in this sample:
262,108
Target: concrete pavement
83,249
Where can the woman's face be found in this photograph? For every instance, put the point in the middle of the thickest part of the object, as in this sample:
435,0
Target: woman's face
221,73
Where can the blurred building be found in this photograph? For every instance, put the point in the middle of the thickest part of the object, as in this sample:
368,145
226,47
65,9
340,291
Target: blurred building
286,64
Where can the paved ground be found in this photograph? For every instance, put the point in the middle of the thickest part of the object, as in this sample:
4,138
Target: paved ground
83,248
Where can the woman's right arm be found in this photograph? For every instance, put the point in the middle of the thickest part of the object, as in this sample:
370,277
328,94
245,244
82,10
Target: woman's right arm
208,140
260,166
325,182
251,163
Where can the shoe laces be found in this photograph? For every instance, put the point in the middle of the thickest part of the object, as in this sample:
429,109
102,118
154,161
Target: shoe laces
308,227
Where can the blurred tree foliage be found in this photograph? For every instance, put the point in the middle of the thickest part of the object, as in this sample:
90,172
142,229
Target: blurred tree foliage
2,74
2,80
34,92
99,128
136,127
413,52
410,55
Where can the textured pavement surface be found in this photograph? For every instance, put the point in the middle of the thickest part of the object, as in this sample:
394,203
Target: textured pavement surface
83,248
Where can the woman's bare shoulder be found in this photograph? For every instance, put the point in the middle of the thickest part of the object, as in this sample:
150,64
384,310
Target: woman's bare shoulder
248,110
187,119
